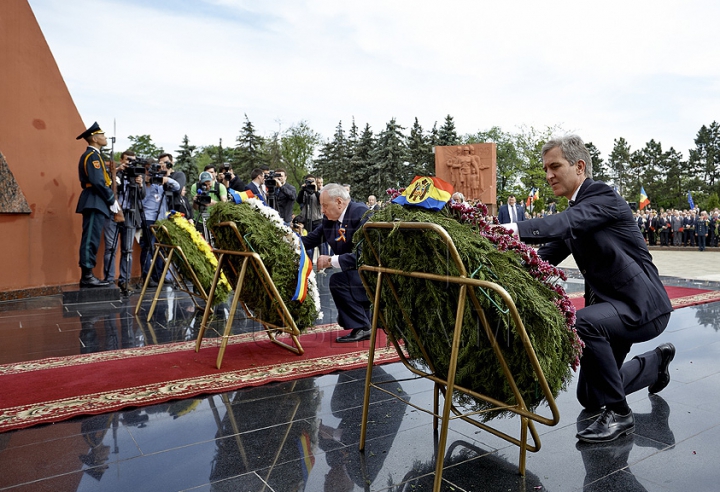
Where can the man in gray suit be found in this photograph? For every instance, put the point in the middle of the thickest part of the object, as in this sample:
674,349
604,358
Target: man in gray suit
625,301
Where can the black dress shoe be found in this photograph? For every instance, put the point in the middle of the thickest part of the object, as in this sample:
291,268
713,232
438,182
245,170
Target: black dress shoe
90,280
667,354
608,427
357,335
125,288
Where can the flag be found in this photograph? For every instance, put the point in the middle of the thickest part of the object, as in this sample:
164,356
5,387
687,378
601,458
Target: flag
307,458
690,201
427,192
532,196
240,196
304,271
644,200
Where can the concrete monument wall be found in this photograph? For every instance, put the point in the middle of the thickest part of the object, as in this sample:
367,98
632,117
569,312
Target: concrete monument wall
40,188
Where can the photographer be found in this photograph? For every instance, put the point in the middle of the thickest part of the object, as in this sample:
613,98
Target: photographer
284,193
228,178
309,200
130,192
165,161
155,207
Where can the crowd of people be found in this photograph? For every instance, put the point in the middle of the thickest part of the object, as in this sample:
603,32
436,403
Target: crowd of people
688,228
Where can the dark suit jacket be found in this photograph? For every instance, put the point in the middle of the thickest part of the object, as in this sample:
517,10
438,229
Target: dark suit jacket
601,234
95,181
328,231
256,191
504,214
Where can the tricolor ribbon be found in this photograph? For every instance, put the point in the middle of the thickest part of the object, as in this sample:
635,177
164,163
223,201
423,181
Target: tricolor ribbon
341,237
304,271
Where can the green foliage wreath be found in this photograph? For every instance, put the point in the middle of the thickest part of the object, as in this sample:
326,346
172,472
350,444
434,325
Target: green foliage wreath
493,255
197,251
264,232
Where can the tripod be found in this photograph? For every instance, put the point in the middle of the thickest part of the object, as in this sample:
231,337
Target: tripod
131,203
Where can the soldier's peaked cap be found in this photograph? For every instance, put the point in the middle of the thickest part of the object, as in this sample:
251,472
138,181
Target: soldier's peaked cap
93,130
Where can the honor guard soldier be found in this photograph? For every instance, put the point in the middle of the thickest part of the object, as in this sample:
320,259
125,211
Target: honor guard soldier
96,202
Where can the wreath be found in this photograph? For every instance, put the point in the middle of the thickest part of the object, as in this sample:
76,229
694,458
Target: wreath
197,251
282,253
492,254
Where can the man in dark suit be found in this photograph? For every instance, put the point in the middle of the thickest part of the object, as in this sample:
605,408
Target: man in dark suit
96,202
512,212
341,218
257,180
625,301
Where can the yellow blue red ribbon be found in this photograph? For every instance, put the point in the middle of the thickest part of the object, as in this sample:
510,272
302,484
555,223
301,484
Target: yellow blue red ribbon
303,273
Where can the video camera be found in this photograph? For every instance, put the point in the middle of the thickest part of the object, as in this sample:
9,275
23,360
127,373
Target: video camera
310,186
134,168
156,175
271,182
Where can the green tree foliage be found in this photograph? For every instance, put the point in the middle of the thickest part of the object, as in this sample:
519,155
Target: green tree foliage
599,169
619,165
529,142
420,155
360,166
389,160
248,153
186,161
447,134
297,147
144,147
704,161
509,164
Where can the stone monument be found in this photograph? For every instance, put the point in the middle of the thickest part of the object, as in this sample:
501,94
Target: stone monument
471,169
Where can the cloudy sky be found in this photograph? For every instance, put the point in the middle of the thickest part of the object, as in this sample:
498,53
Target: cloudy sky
631,68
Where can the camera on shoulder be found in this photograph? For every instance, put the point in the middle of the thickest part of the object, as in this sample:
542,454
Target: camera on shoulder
134,168
271,181
310,186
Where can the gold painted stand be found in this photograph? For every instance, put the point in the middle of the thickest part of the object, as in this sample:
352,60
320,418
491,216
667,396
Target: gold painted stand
234,263
446,386
170,253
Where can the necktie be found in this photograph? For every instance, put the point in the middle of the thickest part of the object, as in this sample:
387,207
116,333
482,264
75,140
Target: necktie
512,213
571,202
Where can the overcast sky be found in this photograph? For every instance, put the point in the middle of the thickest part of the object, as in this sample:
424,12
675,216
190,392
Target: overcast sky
602,69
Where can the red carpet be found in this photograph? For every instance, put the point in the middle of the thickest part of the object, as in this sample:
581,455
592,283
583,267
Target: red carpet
679,296
55,389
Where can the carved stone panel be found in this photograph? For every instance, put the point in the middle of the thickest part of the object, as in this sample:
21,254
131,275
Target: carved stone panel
472,170
12,200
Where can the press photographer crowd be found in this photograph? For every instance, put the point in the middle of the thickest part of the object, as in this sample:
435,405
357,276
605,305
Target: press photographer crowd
120,202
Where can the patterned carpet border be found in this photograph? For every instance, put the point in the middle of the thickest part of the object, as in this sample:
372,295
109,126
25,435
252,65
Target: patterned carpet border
97,403
148,350
678,302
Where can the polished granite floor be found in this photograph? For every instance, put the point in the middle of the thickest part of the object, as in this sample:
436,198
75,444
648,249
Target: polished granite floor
303,435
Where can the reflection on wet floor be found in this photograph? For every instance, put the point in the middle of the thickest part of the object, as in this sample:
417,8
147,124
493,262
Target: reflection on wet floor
303,434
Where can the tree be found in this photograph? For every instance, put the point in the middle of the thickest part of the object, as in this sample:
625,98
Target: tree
447,134
509,165
619,164
297,147
529,142
248,153
389,159
599,170
186,161
704,161
144,147
420,156
361,167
